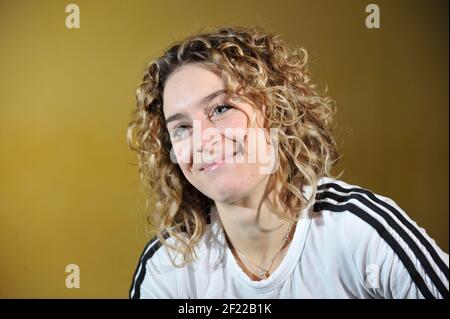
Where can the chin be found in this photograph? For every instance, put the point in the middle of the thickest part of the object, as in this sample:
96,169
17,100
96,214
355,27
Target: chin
224,194
226,199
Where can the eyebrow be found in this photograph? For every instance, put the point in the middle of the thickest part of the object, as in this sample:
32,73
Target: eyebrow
206,99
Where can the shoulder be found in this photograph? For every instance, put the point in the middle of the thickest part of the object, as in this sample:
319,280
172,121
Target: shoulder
158,273
379,234
154,271
360,210
364,212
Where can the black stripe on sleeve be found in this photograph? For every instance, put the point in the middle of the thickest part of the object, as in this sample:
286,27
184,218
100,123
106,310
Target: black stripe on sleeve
418,280
402,233
153,245
430,249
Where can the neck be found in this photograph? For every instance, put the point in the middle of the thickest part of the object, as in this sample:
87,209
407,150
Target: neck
258,236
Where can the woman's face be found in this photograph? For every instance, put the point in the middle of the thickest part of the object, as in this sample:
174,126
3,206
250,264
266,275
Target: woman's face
205,126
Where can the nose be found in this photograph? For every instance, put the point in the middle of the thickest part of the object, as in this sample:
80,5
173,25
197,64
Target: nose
207,138
206,142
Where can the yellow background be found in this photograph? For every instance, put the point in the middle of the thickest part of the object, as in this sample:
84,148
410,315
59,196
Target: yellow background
68,182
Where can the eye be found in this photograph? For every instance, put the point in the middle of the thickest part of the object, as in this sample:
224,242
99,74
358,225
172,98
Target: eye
220,109
180,132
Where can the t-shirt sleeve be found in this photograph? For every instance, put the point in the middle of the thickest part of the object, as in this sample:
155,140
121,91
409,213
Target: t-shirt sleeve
394,257
155,276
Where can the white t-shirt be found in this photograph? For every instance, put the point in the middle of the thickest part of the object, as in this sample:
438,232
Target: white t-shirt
351,243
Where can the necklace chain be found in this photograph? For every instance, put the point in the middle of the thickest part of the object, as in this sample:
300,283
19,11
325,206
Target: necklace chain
263,271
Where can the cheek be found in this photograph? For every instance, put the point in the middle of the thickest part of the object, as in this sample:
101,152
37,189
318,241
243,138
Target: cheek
239,120
234,129
182,152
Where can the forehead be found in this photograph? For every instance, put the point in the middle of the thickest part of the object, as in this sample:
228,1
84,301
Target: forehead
187,85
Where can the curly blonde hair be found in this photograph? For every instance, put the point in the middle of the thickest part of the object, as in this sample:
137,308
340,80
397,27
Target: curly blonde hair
260,68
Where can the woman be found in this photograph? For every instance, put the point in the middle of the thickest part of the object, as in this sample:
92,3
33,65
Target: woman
234,145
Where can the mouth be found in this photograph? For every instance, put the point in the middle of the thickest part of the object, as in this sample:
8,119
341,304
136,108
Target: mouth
217,164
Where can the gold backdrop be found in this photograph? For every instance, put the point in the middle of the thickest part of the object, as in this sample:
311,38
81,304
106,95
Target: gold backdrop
69,184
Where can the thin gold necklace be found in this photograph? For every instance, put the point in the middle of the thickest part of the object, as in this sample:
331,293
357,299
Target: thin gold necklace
263,271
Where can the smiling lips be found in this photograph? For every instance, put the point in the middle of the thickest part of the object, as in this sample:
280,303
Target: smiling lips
212,166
